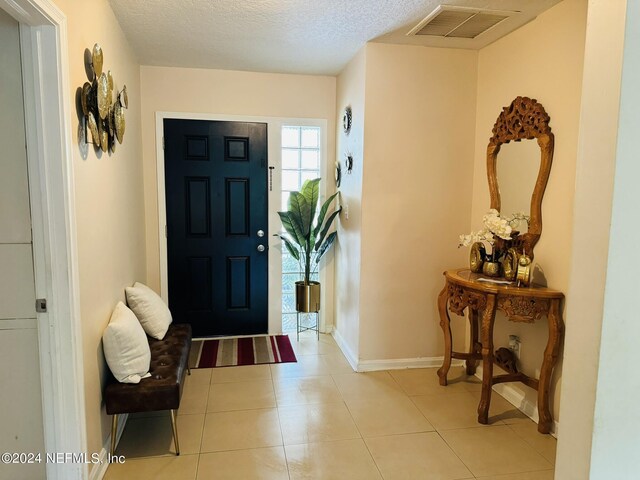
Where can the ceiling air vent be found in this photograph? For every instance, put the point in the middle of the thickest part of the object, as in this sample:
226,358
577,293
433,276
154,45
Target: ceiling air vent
459,22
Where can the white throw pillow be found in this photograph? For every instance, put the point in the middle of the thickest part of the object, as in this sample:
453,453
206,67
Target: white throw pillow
126,347
152,312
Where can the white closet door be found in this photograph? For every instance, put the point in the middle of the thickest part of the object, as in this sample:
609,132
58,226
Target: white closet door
20,402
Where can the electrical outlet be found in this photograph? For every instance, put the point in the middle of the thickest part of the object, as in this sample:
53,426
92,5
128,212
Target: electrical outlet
345,210
515,345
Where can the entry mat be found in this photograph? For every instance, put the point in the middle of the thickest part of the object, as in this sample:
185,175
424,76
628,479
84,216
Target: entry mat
229,352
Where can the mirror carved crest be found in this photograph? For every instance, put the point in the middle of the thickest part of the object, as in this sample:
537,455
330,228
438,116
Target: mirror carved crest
523,119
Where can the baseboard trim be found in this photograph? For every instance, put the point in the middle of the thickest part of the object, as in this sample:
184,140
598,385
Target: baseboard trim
100,469
387,364
518,400
346,350
402,363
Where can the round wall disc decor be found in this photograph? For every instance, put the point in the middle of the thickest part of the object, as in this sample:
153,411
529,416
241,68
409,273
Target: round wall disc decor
346,119
349,163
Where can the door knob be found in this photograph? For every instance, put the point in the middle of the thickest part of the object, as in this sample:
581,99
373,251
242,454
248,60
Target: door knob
260,233
261,248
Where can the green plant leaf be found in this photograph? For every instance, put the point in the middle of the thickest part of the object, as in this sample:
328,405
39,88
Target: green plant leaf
326,227
302,233
285,218
299,210
321,215
311,192
325,246
295,252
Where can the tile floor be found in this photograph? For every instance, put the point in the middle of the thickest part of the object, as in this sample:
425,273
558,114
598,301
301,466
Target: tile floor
318,420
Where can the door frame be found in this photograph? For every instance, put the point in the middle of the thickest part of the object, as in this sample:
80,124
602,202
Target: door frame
274,143
47,101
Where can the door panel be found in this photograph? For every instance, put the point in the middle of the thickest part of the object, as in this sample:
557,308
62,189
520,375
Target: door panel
17,284
15,216
20,403
237,206
198,202
238,283
216,201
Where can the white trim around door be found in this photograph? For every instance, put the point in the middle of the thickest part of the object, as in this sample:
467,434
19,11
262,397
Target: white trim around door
274,140
43,37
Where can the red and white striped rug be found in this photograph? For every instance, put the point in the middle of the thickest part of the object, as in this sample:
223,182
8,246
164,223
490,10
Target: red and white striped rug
228,352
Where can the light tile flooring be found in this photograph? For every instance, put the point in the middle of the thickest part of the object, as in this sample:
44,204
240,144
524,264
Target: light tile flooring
318,420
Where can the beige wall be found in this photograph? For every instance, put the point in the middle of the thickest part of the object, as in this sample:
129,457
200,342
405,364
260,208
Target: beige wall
416,193
108,197
226,93
350,91
542,60
592,221
414,181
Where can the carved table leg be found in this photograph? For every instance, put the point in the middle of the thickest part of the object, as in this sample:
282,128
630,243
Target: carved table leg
446,328
556,331
473,320
486,332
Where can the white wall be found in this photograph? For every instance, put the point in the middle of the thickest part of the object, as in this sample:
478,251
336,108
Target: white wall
616,434
591,224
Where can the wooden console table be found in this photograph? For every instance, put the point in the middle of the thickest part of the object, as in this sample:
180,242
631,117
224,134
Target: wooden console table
520,304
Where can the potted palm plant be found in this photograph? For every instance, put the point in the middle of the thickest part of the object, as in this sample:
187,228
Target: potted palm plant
307,238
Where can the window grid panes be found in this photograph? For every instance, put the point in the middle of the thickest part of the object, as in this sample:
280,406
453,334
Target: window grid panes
300,162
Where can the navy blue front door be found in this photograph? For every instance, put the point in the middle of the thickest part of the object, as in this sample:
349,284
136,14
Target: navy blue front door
216,203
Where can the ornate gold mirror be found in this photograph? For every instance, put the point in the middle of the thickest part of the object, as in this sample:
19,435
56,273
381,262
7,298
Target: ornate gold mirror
518,176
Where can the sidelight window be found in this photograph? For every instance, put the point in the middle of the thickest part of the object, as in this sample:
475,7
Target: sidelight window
300,162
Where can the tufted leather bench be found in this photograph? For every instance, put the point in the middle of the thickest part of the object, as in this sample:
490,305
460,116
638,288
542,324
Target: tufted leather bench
162,390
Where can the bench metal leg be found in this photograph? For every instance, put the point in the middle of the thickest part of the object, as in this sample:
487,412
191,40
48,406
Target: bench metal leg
174,427
114,432
188,370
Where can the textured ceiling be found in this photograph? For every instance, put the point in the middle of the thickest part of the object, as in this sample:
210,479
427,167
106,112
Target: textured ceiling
288,36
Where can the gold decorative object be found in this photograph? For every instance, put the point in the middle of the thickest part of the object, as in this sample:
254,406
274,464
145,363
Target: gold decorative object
84,98
510,264
96,59
524,270
103,92
118,121
307,297
104,137
476,257
124,98
491,269
110,88
93,126
103,116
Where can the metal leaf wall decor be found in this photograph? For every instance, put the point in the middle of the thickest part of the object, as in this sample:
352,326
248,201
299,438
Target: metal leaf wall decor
103,116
